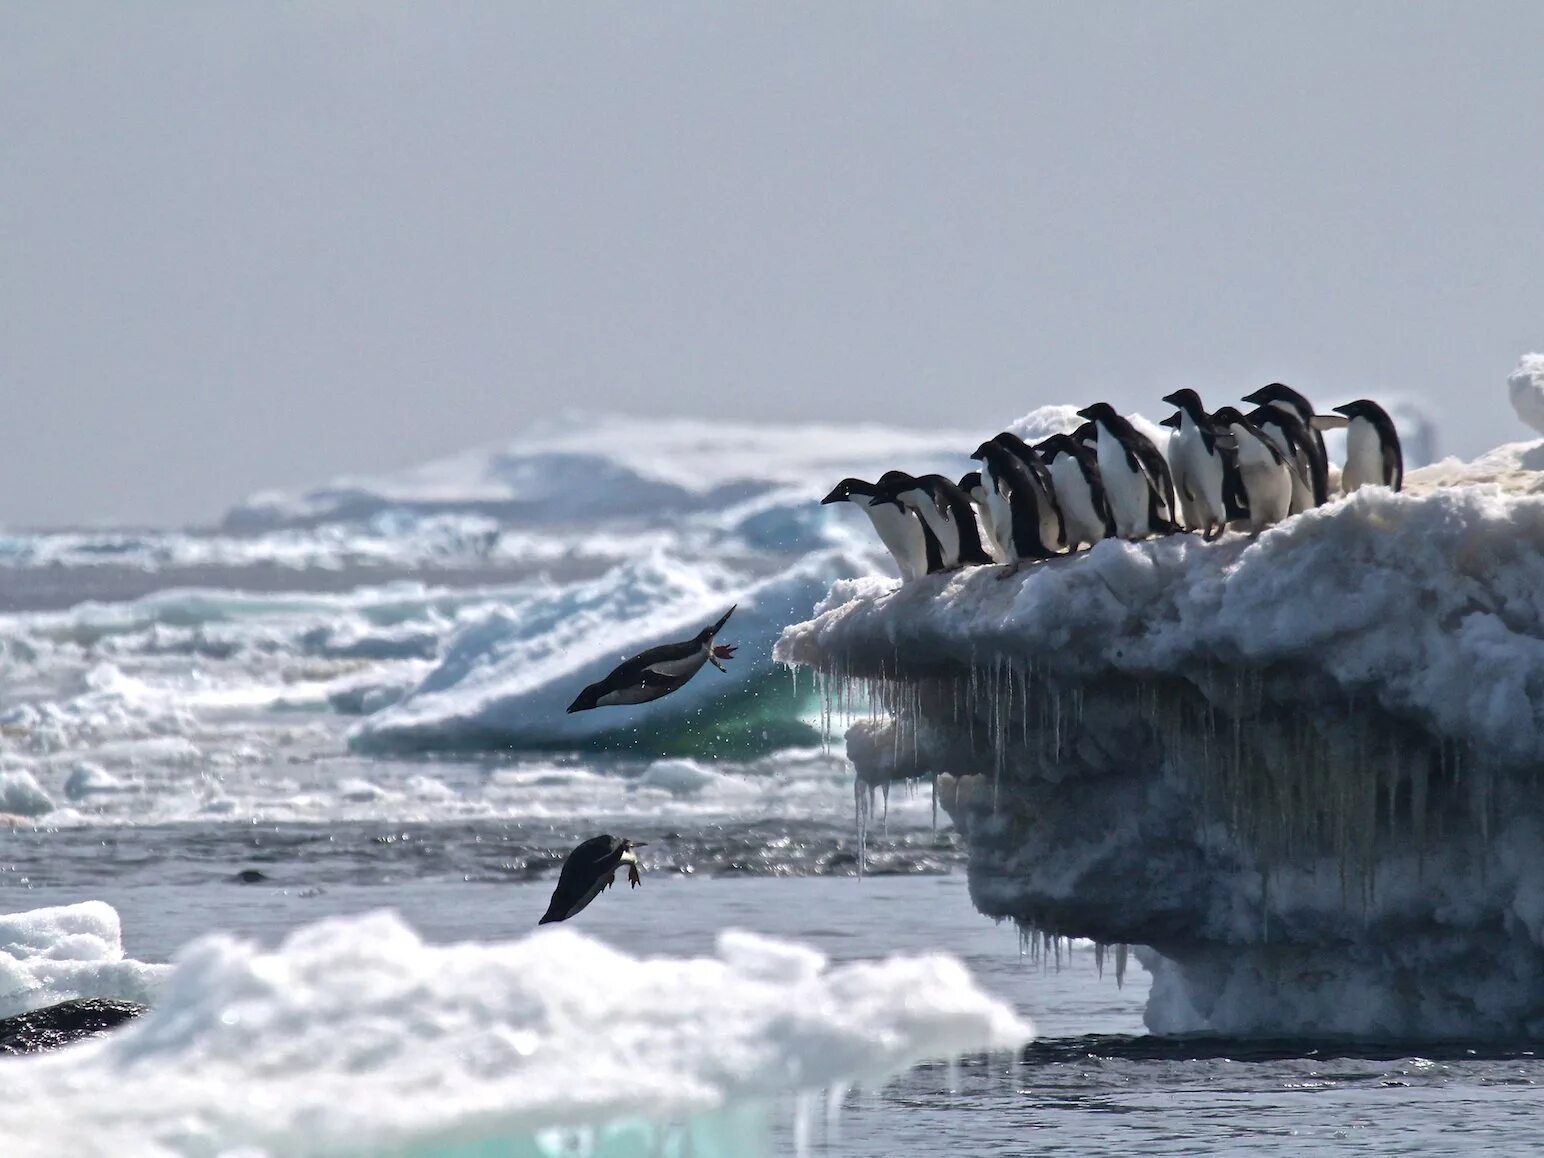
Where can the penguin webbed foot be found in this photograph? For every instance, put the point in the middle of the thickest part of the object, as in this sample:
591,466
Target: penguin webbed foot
633,879
721,652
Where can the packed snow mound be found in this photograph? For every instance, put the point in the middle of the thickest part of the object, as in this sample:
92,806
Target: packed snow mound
355,1037
1516,468
58,954
506,680
613,468
1526,387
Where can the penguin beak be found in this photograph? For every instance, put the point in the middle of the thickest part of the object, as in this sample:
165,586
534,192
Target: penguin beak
719,626
1254,396
1346,409
1172,421
1172,399
837,495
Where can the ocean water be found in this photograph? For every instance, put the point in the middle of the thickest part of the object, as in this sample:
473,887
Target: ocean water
252,731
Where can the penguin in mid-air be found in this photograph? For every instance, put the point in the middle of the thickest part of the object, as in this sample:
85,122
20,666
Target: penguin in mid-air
944,509
1079,489
658,671
1202,465
1136,476
1025,529
1284,398
975,491
1263,470
590,869
1373,454
910,543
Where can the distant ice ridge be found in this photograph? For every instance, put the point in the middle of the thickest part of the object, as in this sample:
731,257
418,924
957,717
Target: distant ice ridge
505,680
1526,388
58,954
356,1037
1302,769
589,469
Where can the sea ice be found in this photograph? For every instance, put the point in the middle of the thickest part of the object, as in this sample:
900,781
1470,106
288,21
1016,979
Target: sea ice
56,954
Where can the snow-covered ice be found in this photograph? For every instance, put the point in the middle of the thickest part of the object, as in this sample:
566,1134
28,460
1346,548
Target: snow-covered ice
1526,388
57,954
355,1036
1302,768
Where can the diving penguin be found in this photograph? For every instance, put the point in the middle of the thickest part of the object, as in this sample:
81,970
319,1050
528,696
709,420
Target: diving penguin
589,869
658,671
906,537
1373,454
1136,476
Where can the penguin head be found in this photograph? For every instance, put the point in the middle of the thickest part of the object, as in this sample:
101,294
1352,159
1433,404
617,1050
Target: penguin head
587,699
987,451
1228,416
1368,409
1278,393
1100,412
1049,448
1012,442
1172,421
1085,435
713,629
889,487
844,491
1188,401
970,482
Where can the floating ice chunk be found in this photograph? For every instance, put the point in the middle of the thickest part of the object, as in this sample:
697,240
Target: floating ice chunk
680,777
1526,386
354,1036
22,795
87,779
56,954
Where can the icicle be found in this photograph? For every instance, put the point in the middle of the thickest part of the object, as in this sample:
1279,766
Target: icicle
1120,964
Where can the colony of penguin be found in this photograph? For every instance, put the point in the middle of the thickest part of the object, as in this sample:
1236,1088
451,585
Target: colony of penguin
1223,470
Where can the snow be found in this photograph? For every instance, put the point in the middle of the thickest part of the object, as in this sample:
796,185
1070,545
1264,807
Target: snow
1300,769
21,795
355,1036
58,954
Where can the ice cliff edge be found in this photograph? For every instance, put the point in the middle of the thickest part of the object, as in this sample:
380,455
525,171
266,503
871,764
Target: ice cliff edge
1303,770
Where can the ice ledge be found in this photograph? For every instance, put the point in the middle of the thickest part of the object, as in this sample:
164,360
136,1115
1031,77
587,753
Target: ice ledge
1302,769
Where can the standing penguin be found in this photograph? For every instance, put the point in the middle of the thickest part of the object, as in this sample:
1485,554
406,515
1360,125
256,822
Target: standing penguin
658,671
1201,465
902,533
1297,445
1266,477
1018,505
1283,397
1136,476
975,491
1373,455
944,509
1053,529
1079,489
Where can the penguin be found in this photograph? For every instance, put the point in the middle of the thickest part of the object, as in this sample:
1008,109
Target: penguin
1266,476
1017,501
1201,465
658,671
887,492
945,510
1086,435
590,869
1079,489
1373,455
1053,528
1136,476
1283,397
975,490
902,533
1297,446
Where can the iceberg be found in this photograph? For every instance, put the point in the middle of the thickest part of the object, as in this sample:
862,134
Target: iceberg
1300,772
355,1036
67,952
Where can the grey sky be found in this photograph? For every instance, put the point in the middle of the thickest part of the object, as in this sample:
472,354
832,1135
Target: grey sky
249,245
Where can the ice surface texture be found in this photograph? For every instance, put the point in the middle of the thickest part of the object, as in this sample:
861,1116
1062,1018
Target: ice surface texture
53,955
1303,769
356,1037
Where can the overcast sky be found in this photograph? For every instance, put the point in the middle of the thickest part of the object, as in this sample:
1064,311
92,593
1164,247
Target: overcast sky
247,245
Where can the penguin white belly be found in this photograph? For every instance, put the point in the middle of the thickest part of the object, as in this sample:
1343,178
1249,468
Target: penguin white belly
1204,474
901,534
1364,457
1002,515
686,666
1051,525
1302,493
989,536
1125,489
1179,467
1076,501
1267,481
943,527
